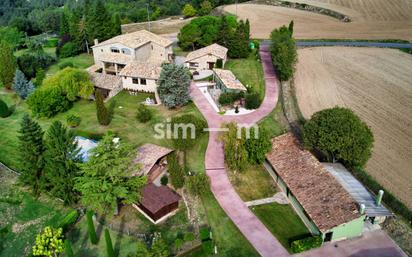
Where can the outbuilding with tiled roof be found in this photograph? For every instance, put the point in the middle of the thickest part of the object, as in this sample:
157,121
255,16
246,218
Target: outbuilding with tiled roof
324,205
206,58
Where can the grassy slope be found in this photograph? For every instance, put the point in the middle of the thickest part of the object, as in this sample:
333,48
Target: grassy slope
282,221
249,71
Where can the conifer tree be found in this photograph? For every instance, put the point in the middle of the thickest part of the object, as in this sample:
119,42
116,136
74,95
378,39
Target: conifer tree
8,65
61,162
109,244
64,25
90,227
100,23
22,87
103,114
31,152
117,25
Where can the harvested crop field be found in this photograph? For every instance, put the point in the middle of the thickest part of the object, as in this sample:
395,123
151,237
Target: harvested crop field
376,84
371,19
165,26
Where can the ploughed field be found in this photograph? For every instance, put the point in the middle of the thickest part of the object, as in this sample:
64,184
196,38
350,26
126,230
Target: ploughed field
377,85
371,19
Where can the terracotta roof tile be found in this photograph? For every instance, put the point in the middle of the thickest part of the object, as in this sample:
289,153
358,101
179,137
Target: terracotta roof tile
137,39
215,49
229,79
141,70
147,156
325,201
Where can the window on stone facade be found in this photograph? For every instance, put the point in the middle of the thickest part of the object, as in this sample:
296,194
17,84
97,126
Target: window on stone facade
114,50
143,81
126,51
135,81
194,64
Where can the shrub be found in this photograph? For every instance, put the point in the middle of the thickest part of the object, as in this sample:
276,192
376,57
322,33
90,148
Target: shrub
21,85
51,42
48,102
109,245
164,180
256,43
188,11
204,234
340,135
64,65
143,113
306,244
197,184
252,101
30,62
4,109
90,227
68,248
283,51
188,237
103,114
73,120
229,97
68,50
69,220
177,176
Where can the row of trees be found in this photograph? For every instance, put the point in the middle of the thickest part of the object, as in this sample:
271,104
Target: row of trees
244,147
225,30
283,51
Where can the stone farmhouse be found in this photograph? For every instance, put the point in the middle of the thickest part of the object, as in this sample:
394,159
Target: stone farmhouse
206,58
130,61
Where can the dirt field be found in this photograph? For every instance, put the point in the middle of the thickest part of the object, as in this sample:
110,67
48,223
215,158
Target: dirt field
376,84
371,19
165,26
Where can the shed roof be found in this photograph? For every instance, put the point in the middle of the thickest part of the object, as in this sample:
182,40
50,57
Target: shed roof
141,70
147,156
137,39
323,198
356,190
229,79
102,80
154,198
214,49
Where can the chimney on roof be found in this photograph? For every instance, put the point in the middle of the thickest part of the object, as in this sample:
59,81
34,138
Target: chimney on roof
379,198
96,41
362,209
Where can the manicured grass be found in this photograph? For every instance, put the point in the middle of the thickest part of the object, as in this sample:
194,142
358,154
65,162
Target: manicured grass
225,234
249,71
49,50
275,123
24,216
81,61
124,124
282,221
253,183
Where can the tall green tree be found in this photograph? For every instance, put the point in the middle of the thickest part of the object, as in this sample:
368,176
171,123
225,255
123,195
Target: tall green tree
100,23
8,64
188,11
205,8
174,85
236,155
90,228
109,244
257,145
31,153
11,36
62,159
22,87
105,180
283,51
64,25
177,174
117,25
102,112
340,135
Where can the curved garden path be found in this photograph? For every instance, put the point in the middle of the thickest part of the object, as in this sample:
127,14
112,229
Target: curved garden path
250,226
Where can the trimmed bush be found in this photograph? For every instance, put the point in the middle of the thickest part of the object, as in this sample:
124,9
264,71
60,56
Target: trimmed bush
109,245
4,109
90,227
143,113
47,102
229,97
164,180
68,248
69,220
252,101
64,65
73,120
68,50
204,234
306,244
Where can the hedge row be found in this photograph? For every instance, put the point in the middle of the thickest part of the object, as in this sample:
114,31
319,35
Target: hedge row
305,244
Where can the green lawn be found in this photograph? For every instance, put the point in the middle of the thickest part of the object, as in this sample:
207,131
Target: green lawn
253,183
225,233
81,61
23,216
249,71
282,221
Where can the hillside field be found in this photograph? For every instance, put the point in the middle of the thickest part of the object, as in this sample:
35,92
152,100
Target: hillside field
371,19
376,84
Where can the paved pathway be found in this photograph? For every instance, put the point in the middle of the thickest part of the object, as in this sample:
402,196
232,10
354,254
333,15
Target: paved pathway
250,226
279,198
349,43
